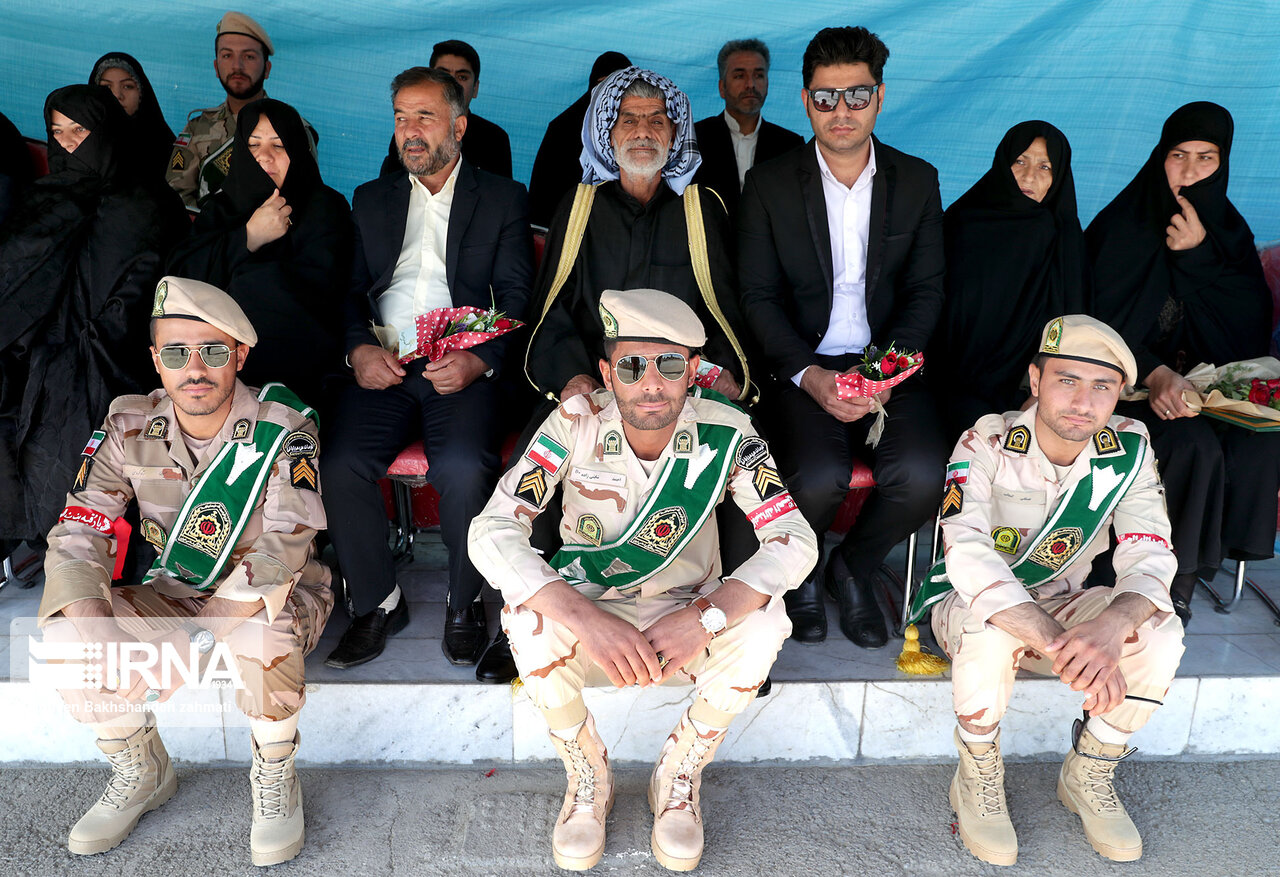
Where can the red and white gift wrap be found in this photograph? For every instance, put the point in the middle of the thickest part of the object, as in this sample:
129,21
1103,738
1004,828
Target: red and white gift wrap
433,343
856,385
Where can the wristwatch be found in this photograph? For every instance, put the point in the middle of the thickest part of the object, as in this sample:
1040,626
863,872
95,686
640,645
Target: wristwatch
712,616
201,638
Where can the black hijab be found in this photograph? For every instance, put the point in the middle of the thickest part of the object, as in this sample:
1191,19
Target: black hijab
100,160
1012,265
1207,304
152,137
247,185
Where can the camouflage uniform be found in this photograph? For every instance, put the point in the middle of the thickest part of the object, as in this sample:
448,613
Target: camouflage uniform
192,174
144,456
604,488
1006,488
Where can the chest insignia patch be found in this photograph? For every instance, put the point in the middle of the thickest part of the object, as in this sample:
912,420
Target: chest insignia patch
660,533
590,528
1006,539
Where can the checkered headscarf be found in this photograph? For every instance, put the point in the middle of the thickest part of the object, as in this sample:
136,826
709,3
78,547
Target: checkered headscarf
598,161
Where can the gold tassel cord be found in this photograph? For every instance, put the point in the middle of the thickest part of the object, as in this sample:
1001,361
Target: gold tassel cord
917,660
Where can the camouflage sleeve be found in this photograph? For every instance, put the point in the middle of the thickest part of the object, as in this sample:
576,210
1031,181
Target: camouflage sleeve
788,546
498,541
291,513
1144,560
82,545
183,167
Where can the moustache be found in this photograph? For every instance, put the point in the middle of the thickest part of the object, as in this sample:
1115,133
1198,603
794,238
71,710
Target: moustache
197,382
414,141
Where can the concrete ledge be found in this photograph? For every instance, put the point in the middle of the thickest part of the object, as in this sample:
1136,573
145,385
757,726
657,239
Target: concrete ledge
800,722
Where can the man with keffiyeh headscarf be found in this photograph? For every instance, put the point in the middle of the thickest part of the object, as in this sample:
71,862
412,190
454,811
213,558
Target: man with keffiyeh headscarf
626,227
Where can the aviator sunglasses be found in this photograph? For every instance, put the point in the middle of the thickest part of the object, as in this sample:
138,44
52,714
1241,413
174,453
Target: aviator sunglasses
630,369
177,356
856,97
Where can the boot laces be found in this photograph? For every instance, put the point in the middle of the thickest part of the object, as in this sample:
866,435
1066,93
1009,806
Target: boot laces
990,782
584,798
126,776
682,782
1099,784
271,788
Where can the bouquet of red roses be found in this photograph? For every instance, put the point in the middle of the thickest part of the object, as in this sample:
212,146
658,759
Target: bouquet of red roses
437,332
878,371
1245,393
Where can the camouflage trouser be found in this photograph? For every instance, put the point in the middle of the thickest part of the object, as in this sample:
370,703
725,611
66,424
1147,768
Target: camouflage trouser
269,657
984,658
554,669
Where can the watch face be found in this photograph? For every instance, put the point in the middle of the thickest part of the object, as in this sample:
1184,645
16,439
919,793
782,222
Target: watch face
203,641
714,619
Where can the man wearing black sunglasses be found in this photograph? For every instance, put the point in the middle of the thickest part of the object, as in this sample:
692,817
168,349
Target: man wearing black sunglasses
226,483
638,595
839,249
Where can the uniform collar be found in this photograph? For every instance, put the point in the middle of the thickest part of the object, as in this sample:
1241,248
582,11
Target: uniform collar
1027,420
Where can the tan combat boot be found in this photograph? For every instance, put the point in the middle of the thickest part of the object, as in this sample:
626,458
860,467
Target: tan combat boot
1086,786
977,796
674,795
278,831
577,841
142,779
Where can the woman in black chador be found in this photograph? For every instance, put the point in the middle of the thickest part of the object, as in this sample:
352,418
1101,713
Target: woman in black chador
1015,260
79,259
151,134
1178,276
279,241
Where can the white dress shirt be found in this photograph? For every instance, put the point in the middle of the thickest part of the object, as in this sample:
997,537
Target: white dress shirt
849,225
744,146
420,282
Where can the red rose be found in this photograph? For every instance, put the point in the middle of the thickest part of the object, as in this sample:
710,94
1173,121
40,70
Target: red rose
1259,396
504,323
904,362
889,365
1273,384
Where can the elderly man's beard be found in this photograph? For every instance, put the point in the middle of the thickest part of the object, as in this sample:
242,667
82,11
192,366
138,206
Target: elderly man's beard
430,162
638,167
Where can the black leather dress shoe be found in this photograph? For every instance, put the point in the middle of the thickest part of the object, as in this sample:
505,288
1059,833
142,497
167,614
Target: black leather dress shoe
805,609
465,633
497,666
367,636
860,617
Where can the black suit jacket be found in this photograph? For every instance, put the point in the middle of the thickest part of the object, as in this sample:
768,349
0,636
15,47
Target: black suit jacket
488,246
557,169
784,255
719,168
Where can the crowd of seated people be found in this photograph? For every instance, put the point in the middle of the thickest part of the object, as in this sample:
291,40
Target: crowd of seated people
793,258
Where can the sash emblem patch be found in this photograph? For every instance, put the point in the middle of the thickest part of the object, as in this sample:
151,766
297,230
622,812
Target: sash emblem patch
207,528
662,531
1056,549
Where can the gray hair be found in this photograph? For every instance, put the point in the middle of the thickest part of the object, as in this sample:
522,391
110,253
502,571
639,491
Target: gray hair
425,75
640,88
750,45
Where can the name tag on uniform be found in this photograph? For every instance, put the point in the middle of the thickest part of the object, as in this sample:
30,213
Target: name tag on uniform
595,476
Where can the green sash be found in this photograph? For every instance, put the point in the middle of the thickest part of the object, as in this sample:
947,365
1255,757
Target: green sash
1081,514
686,493
216,511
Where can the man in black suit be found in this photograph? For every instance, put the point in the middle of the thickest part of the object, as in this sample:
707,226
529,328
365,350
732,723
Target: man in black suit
732,141
485,144
444,234
839,249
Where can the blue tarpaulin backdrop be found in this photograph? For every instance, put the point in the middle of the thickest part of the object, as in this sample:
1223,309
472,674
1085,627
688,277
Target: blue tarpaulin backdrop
1107,72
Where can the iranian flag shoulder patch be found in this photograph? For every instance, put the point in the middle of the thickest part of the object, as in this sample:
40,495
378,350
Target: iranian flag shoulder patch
547,453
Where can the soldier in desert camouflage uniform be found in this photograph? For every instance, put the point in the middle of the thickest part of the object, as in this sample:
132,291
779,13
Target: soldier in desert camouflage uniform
638,593
226,483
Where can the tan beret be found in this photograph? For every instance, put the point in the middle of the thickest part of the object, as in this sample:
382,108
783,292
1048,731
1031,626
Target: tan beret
193,300
1076,336
238,22
650,315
